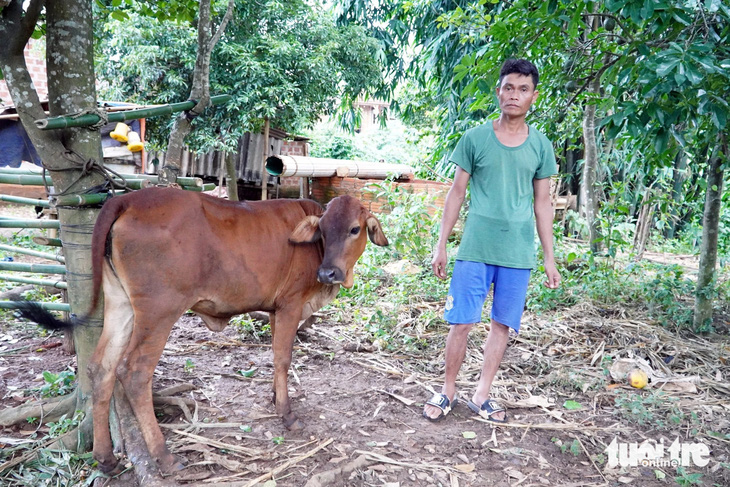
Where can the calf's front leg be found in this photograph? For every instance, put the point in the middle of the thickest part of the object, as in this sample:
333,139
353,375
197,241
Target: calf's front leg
287,322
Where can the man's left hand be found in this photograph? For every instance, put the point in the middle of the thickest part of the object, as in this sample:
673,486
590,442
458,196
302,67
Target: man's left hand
553,276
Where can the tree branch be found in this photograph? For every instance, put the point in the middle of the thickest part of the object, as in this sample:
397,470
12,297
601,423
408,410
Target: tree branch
29,21
222,27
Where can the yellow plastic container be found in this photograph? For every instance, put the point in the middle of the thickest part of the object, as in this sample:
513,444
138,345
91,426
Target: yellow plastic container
120,132
134,144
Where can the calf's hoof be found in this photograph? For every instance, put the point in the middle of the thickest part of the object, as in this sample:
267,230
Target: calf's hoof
292,423
169,464
110,467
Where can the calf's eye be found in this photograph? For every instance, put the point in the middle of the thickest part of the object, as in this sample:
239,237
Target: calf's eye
355,231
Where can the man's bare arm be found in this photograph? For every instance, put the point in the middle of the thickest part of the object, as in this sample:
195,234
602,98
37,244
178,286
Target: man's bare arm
544,215
452,206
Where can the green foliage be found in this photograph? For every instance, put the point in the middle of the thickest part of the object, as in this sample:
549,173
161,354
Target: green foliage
64,424
666,295
662,290
334,144
189,366
394,322
49,467
57,384
250,329
285,61
657,409
394,144
412,230
685,478
573,447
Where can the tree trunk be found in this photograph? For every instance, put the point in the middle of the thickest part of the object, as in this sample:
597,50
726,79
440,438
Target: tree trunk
589,190
678,177
705,290
200,91
71,89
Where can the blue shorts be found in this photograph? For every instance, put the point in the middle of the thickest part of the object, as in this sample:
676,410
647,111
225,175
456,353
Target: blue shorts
470,284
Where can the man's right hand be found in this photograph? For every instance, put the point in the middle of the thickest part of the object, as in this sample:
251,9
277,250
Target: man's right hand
438,264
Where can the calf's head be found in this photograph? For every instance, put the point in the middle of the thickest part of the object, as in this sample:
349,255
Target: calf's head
342,229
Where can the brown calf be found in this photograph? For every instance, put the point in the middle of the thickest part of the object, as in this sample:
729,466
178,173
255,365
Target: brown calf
159,252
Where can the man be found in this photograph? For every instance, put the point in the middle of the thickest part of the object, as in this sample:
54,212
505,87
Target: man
509,164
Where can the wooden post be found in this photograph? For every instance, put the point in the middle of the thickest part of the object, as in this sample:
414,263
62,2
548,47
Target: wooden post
264,175
304,182
232,181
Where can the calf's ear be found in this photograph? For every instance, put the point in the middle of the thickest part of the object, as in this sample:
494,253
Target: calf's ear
375,231
307,231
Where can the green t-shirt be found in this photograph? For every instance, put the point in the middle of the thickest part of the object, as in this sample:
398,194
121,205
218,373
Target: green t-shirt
500,226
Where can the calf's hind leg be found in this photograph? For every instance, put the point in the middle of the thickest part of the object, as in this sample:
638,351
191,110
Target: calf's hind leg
135,372
118,322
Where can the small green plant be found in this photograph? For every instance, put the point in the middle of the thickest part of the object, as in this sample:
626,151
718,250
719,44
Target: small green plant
573,447
39,294
57,384
189,366
250,329
635,408
685,478
278,440
664,295
658,409
64,424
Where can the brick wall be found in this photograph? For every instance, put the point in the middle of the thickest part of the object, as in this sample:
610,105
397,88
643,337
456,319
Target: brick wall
289,186
37,69
366,190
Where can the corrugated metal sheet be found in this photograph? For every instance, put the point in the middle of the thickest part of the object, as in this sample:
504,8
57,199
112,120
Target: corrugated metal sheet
248,160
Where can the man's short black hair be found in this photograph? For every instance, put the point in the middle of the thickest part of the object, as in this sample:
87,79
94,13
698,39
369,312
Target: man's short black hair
520,66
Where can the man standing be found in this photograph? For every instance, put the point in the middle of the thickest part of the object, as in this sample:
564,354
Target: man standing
509,164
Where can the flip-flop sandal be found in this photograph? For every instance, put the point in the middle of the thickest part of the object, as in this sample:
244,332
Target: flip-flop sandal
442,402
488,409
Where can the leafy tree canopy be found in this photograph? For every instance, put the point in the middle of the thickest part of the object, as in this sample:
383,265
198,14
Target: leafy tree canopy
663,65
287,61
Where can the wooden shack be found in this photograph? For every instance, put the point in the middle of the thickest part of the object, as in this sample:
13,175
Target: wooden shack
248,160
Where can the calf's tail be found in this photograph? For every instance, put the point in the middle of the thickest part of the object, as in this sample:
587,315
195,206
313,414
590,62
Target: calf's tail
108,215
37,314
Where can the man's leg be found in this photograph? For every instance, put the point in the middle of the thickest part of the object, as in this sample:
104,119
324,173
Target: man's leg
494,349
454,356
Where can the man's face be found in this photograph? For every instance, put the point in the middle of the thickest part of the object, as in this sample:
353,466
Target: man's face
516,94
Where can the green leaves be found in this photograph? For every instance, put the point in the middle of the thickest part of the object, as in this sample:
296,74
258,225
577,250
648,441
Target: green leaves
288,61
572,405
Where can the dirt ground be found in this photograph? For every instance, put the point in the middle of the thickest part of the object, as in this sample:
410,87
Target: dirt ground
361,407
362,412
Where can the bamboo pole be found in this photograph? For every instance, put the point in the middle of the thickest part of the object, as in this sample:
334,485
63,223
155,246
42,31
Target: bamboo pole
24,179
18,223
39,282
33,268
49,306
47,241
320,167
20,170
78,199
34,253
134,181
24,201
91,119
205,187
